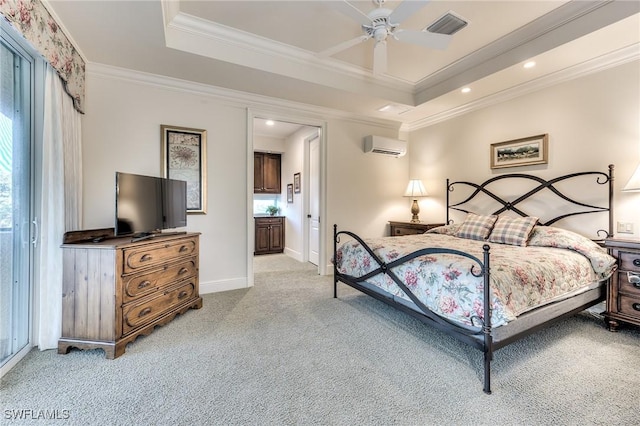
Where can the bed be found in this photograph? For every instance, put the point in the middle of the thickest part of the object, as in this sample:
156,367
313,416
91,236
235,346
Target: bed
491,279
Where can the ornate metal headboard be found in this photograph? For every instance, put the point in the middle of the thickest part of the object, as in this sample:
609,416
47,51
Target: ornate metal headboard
515,205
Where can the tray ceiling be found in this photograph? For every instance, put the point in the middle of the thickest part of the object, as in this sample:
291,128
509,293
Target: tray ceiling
271,48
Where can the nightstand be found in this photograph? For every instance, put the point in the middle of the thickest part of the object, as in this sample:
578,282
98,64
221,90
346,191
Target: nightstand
623,293
410,228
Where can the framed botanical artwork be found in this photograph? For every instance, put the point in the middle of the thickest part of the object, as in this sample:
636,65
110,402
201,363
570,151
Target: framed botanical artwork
290,193
296,183
184,157
520,152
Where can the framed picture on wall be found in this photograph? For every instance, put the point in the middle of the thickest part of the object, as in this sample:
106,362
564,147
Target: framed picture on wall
290,193
184,157
296,183
520,152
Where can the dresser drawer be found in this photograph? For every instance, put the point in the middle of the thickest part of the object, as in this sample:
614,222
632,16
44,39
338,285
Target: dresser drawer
139,285
398,230
269,220
138,314
629,306
629,282
138,258
629,261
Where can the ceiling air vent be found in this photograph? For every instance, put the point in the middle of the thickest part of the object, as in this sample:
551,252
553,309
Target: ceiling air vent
448,24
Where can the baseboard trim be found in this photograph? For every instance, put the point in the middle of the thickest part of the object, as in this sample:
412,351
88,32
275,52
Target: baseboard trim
294,254
223,285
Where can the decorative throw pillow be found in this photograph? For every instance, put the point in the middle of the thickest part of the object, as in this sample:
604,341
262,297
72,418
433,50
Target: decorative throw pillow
445,229
514,231
476,227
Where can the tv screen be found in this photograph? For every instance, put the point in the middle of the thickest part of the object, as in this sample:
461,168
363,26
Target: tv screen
147,205
174,203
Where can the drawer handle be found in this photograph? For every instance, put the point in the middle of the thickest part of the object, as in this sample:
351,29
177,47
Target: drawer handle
183,249
636,306
145,258
184,294
634,279
145,311
183,271
636,262
144,284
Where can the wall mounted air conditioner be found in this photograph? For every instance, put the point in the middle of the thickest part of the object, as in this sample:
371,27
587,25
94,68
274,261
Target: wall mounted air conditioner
386,146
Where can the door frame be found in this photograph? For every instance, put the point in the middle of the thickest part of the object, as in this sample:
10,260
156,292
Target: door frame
304,121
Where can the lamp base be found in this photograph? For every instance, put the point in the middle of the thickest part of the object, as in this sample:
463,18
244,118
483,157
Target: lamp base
415,209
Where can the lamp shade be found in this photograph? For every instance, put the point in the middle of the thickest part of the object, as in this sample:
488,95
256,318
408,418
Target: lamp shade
415,189
634,182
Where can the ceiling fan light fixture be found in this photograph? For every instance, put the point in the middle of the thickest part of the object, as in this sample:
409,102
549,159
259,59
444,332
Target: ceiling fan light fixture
381,23
448,24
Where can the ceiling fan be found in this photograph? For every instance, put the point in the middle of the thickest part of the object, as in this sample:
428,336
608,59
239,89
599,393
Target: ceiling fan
382,23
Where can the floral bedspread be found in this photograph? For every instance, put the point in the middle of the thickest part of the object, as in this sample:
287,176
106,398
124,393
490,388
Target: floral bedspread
554,264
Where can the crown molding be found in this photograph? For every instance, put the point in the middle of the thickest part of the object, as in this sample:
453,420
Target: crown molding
611,60
234,98
203,37
568,22
241,99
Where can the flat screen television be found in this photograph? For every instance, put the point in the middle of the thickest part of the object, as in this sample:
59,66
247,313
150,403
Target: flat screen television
146,205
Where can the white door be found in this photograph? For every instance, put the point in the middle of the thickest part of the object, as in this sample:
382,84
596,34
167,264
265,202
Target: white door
314,201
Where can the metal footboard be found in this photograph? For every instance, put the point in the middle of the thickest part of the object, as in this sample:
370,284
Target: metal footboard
463,333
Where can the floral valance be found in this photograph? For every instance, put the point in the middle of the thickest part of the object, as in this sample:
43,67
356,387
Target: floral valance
36,24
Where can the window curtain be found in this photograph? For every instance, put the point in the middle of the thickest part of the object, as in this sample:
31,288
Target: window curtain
32,19
61,203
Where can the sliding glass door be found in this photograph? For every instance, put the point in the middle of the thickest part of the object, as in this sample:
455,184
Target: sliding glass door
15,201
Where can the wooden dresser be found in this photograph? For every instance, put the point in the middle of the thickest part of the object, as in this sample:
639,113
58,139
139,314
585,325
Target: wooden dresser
116,290
623,295
410,228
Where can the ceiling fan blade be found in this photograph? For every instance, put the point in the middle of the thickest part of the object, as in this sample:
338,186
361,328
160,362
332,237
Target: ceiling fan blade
423,38
351,11
406,9
380,58
343,46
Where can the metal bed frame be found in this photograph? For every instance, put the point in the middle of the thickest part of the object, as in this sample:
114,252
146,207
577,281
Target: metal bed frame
483,337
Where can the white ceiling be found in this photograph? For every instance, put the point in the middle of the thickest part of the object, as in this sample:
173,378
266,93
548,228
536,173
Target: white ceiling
270,48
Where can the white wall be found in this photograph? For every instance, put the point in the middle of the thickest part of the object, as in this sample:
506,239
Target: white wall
268,144
121,132
364,190
592,122
293,163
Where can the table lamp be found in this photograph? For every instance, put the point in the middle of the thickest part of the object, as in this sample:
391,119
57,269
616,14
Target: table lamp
414,190
634,182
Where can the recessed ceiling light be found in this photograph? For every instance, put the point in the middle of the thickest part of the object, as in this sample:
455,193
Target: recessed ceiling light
465,89
529,64
270,123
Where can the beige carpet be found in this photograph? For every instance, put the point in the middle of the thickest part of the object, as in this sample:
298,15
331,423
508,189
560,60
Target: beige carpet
286,353
279,262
